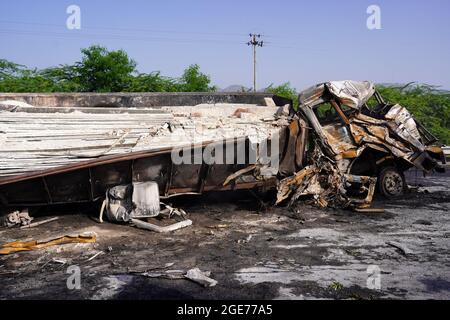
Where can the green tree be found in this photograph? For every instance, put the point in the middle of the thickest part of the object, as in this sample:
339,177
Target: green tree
285,90
64,78
428,104
17,78
193,80
152,82
101,70
9,69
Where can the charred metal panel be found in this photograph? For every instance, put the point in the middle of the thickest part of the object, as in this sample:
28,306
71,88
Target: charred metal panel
24,192
155,168
69,187
288,141
220,172
185,178
110,175
238,158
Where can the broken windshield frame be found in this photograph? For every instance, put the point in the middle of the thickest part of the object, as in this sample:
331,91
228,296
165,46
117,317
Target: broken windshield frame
328,112
374,105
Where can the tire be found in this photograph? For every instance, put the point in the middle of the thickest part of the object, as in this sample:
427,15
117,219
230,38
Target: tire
391,182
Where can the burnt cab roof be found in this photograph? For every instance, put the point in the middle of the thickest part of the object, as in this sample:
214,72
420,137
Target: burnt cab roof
348,92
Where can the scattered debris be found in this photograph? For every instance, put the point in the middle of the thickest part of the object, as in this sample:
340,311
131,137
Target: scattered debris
336,286
38,223
326,185
136,200
405,250
17,246
219,226
171,211
246,240
168,274
16,218
167,265
352,252
60,261
195,275
153,227
423,222
95,255
370,210
129,203
239,173
202,278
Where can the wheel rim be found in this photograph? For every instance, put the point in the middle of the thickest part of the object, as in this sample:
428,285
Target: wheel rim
393,183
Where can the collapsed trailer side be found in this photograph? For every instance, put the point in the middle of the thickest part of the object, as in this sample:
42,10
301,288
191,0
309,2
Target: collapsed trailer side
89,180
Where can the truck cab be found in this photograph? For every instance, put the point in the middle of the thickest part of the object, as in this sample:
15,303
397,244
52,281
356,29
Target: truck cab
363,135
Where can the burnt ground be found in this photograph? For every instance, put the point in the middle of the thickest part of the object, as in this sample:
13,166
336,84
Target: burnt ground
253,252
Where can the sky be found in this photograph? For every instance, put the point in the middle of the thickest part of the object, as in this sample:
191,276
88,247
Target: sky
305,42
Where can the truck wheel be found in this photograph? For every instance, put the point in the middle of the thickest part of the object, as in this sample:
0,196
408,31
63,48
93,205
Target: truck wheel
391,182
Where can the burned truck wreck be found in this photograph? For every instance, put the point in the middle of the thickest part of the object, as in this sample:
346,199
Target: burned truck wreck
359,142
342,144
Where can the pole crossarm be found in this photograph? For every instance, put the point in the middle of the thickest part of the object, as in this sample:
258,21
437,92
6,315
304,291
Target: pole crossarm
255,42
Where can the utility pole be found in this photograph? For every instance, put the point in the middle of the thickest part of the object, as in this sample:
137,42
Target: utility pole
255,43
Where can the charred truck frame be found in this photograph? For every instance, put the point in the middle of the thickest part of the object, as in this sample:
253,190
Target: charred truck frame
358,139
341,143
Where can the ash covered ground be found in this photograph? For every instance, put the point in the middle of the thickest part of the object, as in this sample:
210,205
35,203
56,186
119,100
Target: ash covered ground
253,251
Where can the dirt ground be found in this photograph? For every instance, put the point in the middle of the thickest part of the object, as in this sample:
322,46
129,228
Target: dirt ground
252,251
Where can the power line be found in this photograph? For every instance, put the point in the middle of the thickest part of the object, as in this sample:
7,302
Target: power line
124,29
144,30
67,35
255,43
111,36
